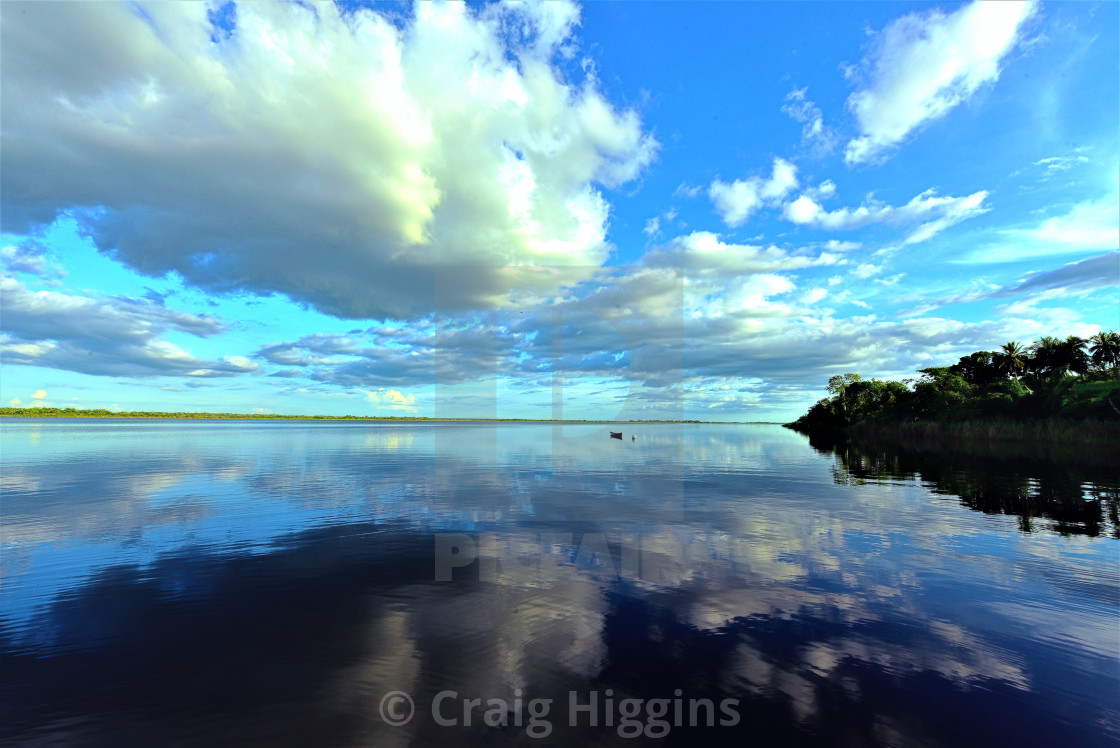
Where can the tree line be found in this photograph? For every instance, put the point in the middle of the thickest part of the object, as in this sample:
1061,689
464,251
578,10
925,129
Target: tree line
1070,378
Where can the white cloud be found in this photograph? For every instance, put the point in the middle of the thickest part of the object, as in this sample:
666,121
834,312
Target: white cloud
735,202
925,64
392,400
653,227
825,189
754,294
389,356
336,156
1086,227
936,213
866,270
15,402
240,362
722,314
1060,163
703,253
1080,278
951,212
39,395
891,280
116,336
813,131
803,210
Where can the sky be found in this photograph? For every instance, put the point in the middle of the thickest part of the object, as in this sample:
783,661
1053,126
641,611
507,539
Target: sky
544,210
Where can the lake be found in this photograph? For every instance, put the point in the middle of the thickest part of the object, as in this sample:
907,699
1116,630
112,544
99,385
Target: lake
378,583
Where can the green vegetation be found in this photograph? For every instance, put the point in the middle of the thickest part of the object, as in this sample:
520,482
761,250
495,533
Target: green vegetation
102,413
1056,391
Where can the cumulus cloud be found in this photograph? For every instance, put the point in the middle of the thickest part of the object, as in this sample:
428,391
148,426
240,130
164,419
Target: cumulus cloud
117,336
925,64
453,351
392,400
334,155
674,324
935,213
822,191
666,332
39,395
703,253
736,201
760,326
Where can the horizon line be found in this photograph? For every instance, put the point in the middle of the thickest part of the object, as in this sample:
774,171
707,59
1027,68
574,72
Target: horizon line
56,412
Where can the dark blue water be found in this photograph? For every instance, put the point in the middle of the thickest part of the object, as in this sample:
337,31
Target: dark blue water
274,583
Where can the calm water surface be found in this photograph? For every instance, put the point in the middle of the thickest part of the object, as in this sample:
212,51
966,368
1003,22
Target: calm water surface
248,582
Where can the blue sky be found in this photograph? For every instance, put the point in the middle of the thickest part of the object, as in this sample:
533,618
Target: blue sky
617,210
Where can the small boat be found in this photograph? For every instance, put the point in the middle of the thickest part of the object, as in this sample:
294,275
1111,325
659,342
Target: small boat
616,434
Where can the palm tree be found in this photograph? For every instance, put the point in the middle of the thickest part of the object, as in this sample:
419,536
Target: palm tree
1105,347
1072,355
1012,359
1045,355
1053,357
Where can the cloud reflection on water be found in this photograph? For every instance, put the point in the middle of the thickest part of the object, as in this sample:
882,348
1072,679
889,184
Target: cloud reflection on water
306,551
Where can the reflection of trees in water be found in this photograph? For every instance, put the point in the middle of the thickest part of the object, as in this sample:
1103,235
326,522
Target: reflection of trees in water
1077,493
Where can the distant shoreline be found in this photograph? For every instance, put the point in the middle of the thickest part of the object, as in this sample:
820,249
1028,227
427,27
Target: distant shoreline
183,416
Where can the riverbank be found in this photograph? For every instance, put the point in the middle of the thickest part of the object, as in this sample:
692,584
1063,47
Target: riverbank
1082,441
1050,430
1050,394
